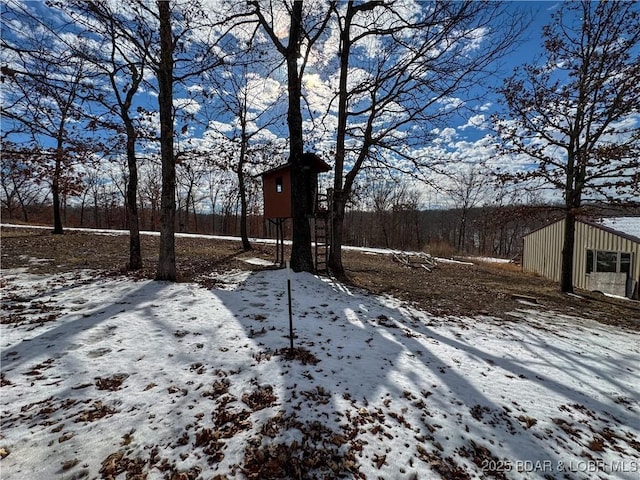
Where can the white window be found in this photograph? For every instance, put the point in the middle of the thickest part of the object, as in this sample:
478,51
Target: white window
604,261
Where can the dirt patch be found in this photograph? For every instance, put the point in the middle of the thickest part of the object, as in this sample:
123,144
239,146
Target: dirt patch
112,383
40,251
450,289
482,289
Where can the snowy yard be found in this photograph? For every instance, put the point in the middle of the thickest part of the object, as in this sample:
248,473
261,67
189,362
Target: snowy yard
106,377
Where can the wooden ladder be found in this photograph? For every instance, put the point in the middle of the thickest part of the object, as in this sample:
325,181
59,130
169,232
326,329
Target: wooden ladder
322,234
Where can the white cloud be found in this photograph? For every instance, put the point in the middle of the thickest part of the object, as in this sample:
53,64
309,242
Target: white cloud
476,121
195,88
445,135
262,92
475,38
451,103
215,126
187,105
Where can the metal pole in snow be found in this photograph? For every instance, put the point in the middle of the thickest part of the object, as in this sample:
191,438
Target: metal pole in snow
290,312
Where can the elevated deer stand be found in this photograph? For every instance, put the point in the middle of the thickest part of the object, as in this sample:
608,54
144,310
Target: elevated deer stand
276,190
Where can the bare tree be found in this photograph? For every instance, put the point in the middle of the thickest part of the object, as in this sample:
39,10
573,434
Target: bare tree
175,63
91,179
166,269
46,88
190,173
151,189
216,182
467,188
179,42
382,198
305,28
415,61
395,204
575,113
245,140
120,56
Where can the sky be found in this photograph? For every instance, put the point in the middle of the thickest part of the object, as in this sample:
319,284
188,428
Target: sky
462,141
530,46
107,374
527,51
467,135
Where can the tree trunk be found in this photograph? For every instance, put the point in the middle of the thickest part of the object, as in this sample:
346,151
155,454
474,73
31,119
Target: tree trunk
339,197
462,232
214,201
383,228
82,207
246,245
167,258
96,211
55,192
135,254
195,214
186,206
337,234
566,275
154,215
25,214
301,254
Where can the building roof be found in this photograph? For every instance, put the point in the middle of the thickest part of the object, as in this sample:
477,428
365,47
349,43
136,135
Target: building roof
310,160
284,166
627,226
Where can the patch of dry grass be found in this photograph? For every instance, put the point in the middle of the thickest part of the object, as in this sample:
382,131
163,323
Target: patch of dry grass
42,252
484,288
449,290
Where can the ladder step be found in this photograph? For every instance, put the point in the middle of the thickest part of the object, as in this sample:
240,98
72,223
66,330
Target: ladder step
321,230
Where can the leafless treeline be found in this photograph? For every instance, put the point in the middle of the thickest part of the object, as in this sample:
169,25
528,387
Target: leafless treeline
393,215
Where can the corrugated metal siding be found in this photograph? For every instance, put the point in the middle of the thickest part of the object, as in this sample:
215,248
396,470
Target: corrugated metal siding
543,251
592,238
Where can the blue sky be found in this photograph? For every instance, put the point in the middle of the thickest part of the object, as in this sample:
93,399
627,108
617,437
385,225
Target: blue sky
526,52
463,140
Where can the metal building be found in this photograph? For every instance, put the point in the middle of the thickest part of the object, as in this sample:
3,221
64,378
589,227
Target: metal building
606,256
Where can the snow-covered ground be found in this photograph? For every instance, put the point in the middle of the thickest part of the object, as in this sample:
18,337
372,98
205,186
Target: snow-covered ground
110,377
267,241
489,259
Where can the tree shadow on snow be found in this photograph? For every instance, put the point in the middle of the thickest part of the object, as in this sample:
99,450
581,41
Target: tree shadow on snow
388,377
